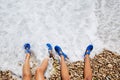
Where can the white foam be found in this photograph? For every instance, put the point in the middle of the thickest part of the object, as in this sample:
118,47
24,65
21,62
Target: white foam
72,24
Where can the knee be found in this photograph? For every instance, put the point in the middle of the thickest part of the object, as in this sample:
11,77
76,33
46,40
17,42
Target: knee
88,78
26,75
39,70
66,78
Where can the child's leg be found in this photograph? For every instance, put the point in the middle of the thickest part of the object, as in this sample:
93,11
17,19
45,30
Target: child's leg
41,70
26,68
64,69
87,69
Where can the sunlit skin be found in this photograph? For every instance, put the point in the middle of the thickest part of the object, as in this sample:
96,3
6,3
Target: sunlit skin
64,70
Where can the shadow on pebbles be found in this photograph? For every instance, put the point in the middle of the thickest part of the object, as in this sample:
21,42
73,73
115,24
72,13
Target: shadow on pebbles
105,66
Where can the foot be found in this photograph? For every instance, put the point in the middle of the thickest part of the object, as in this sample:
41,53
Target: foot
49,50
27,48
60,52
88,49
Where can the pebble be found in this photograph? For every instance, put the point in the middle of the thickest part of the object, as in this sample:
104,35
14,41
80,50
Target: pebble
110,66
105,66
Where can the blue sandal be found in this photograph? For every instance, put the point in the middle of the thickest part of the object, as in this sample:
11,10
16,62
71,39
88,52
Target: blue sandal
88,49
60,52
27,48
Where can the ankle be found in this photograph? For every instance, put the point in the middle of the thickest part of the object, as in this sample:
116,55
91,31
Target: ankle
87,55
27,56
62,57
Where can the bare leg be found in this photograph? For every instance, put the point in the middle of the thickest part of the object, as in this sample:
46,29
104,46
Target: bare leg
64,69
26,68
87,69
41,70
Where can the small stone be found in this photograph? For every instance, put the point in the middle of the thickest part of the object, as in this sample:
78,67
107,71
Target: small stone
105,66
110,65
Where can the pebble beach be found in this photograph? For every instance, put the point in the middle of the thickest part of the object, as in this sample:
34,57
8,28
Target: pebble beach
70,24
105,66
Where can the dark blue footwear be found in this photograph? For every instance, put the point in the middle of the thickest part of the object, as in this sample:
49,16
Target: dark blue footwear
49,46
60,52
50,50
27,48
88,49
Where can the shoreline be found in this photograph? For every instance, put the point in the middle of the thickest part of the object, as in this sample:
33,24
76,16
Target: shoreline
104,66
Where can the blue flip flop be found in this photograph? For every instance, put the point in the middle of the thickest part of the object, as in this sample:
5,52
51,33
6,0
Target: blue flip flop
27,48
60,52
88,49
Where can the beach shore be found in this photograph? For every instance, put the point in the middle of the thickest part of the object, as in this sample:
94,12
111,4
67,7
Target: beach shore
105,66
